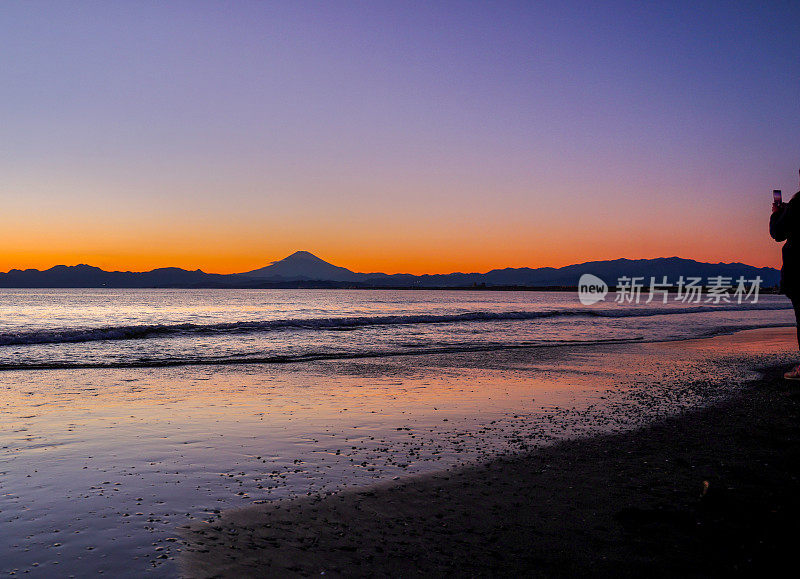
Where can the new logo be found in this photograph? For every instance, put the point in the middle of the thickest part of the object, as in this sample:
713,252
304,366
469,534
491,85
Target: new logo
591,289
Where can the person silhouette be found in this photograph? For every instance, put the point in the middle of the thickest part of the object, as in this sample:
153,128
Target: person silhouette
784,225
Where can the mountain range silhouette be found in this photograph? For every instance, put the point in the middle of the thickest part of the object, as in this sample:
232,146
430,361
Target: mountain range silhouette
304,269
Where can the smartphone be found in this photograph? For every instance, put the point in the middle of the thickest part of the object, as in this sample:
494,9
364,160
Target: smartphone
776,196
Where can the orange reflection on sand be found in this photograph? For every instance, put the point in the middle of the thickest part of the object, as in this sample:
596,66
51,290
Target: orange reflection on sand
774,340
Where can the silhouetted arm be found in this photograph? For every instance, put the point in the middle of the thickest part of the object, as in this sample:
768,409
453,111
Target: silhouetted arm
780,223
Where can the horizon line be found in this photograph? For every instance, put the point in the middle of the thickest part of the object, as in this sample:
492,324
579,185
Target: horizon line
385,273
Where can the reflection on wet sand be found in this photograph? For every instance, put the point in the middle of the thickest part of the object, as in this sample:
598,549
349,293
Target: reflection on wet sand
100,467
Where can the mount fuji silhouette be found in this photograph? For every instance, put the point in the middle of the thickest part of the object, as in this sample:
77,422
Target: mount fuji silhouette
304,269
303,266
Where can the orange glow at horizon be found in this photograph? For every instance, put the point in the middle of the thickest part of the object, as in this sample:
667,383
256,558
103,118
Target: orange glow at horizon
441,236
412,256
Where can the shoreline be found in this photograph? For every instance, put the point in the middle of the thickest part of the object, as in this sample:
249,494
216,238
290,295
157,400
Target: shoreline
282,360
630,503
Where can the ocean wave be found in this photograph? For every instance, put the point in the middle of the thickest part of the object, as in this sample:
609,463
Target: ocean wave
141,332
308,356
416,350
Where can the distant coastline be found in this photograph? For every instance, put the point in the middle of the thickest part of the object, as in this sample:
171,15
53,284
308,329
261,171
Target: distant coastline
303,270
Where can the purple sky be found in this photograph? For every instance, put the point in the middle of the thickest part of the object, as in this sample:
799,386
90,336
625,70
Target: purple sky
227,135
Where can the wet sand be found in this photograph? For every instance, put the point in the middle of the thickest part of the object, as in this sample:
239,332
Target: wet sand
100,468
708,492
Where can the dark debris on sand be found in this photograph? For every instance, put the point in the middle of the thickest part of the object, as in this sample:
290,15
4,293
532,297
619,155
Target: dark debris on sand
712,492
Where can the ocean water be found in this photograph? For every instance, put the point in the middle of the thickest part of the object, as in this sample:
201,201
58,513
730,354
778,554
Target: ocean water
80,328
125,414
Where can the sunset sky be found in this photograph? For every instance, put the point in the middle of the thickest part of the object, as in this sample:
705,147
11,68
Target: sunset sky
394,136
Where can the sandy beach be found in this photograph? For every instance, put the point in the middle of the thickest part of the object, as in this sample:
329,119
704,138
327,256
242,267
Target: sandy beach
549,460
709,492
